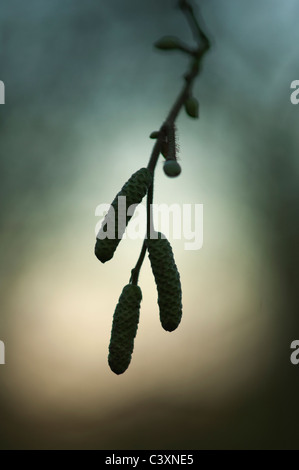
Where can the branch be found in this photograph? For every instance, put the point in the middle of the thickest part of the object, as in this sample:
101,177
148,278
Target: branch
197,54
199,35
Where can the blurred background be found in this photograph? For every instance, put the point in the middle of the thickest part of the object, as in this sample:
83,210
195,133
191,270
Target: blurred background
84,89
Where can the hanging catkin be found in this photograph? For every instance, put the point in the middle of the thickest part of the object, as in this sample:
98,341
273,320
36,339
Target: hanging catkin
124,328
167,280
169,143
134,190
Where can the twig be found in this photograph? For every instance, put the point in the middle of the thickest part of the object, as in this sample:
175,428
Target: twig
135,271
203,45
199,35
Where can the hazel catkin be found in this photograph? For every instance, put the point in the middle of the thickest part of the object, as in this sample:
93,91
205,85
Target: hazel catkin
133,192
167,280
124,328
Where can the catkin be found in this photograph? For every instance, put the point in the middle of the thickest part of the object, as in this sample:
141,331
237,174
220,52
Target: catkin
124,328
134,190
171,137
169,145
167,280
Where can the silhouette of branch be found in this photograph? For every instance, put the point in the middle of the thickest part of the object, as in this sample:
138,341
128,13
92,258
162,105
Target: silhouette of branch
196,54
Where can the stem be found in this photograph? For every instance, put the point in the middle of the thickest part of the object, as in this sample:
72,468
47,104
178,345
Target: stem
149,211
203,44
135,271
199,35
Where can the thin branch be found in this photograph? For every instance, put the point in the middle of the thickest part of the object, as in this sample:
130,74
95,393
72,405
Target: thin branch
198,33
149,209
203,45
135,271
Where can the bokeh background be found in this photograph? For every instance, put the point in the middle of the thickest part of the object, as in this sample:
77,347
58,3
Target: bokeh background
84,89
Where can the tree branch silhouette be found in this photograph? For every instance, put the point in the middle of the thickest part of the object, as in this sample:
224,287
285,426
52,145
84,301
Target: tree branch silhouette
184,98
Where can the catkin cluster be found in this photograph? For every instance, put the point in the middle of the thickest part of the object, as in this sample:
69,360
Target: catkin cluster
124,328
167,280
133,192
